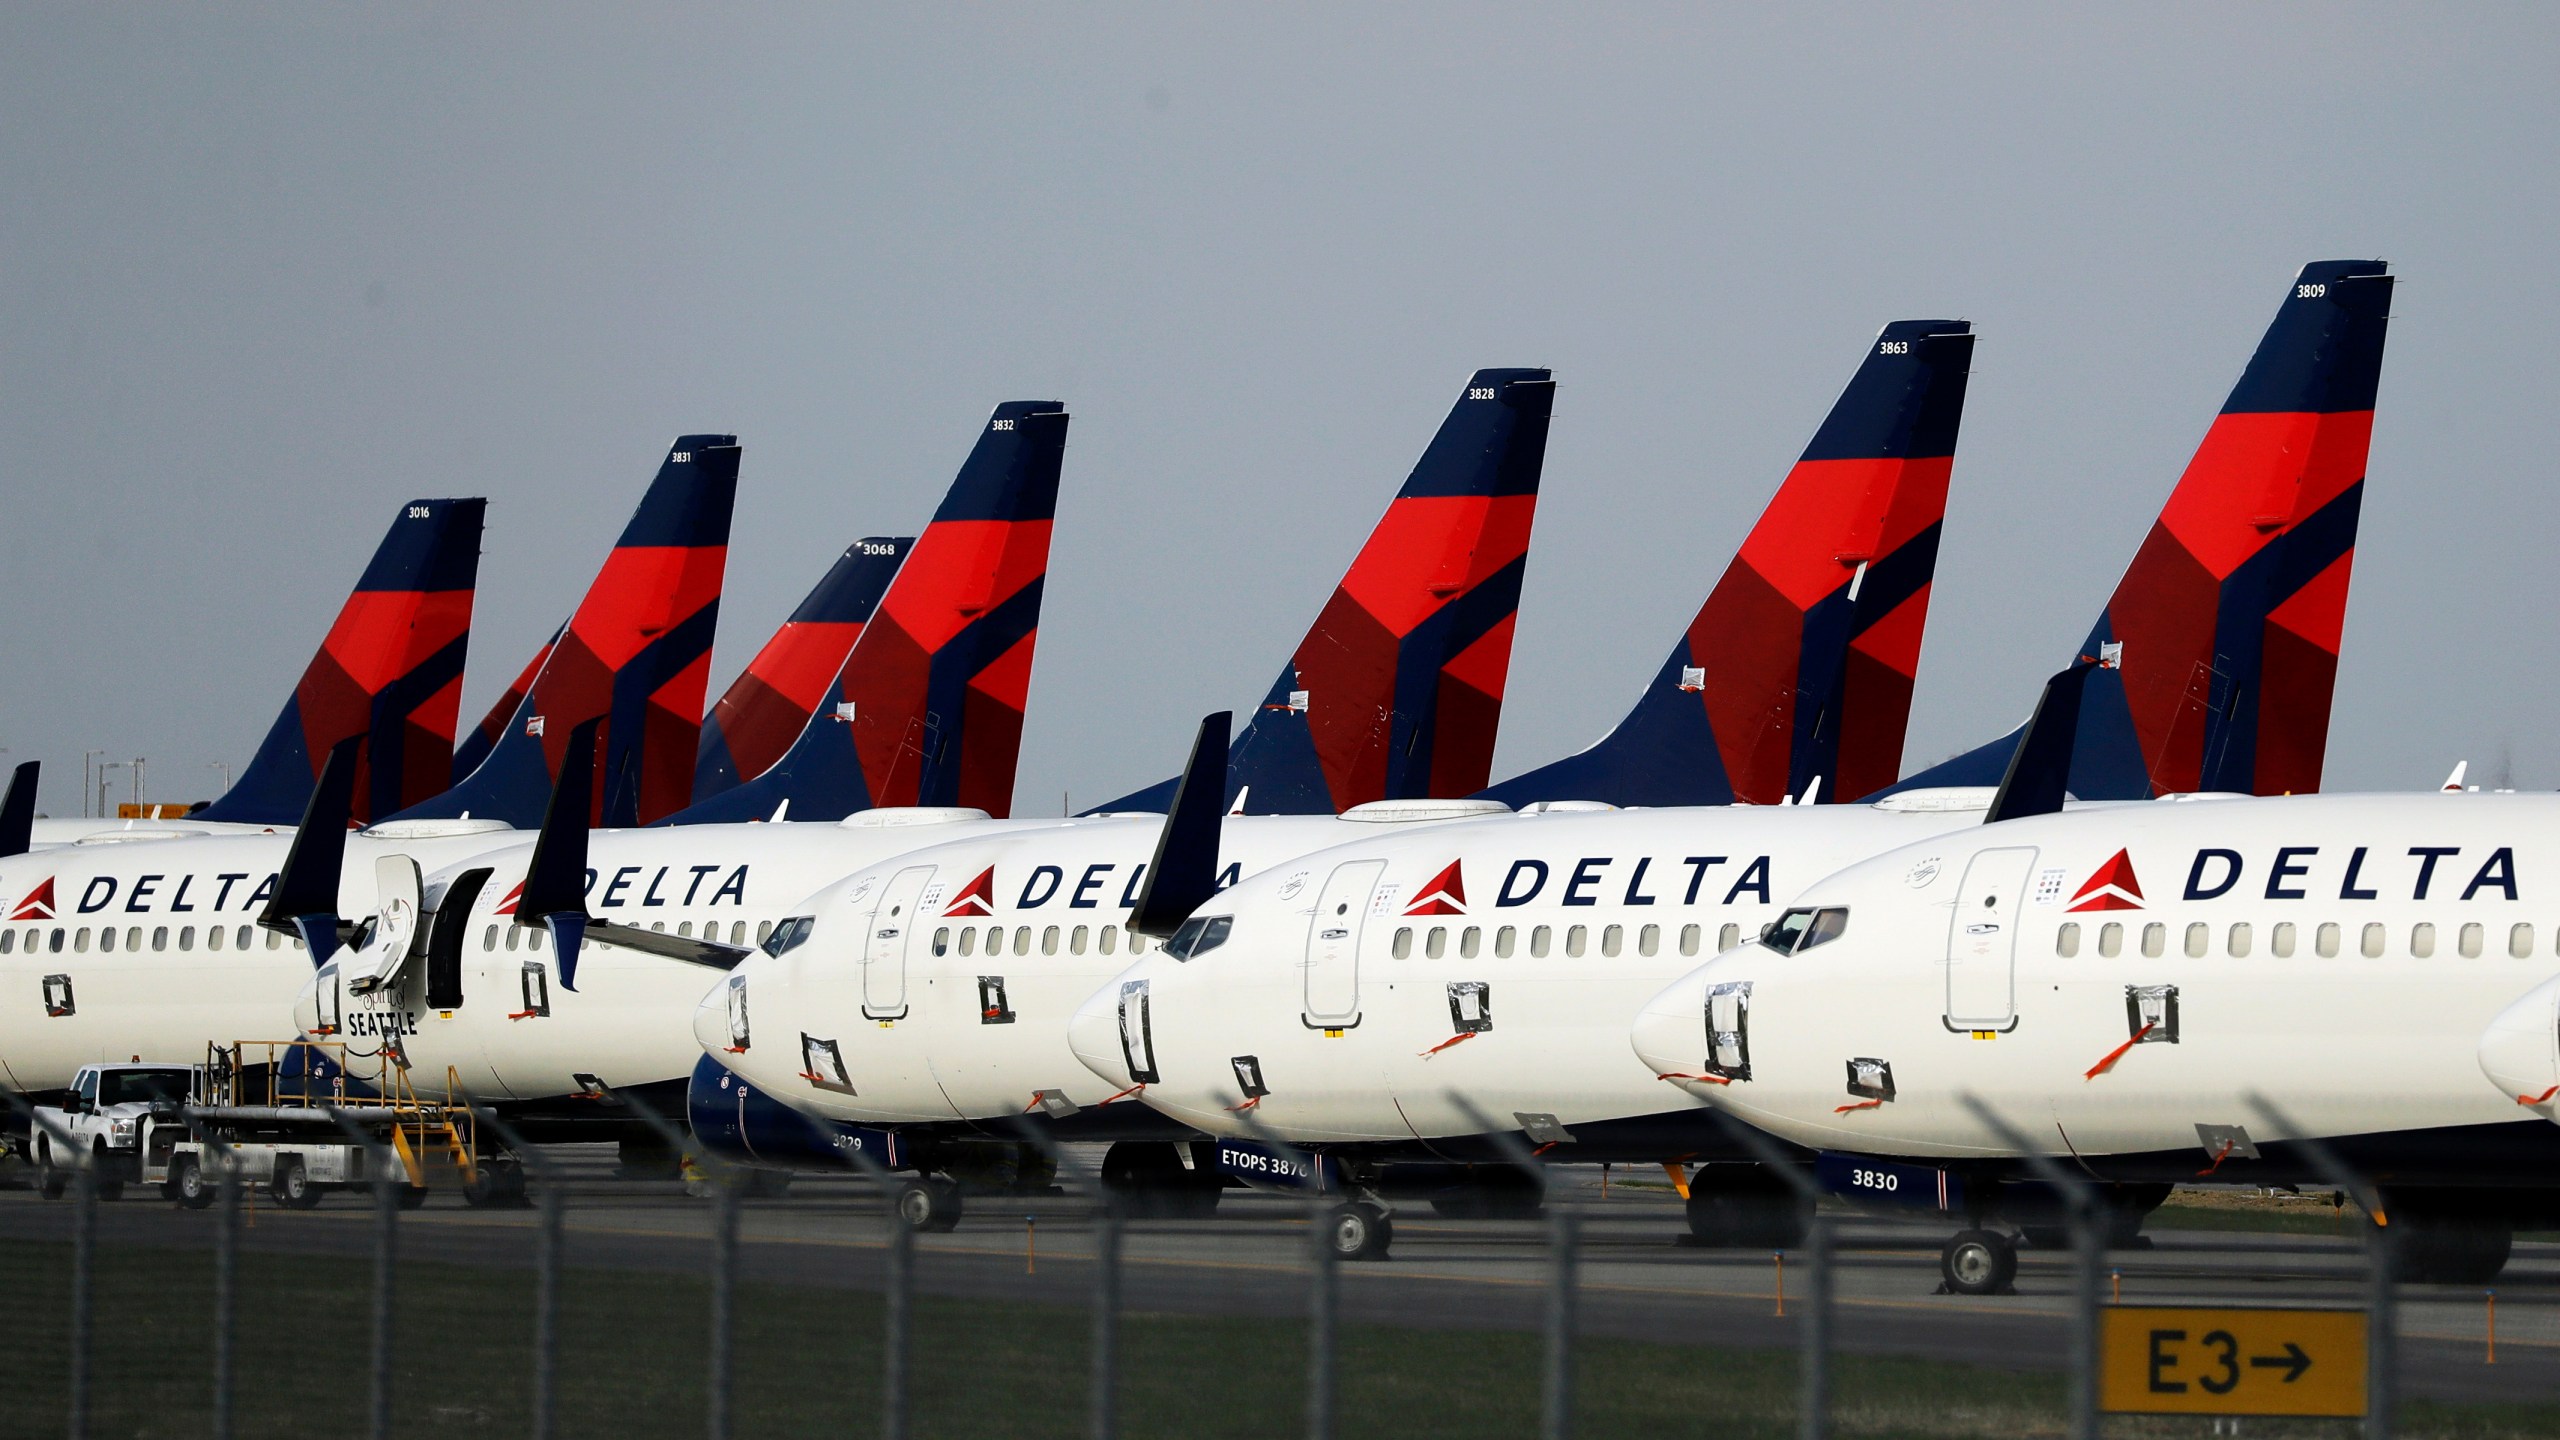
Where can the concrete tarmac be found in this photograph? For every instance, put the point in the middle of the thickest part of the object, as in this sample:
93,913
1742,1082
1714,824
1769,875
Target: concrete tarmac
1637,1281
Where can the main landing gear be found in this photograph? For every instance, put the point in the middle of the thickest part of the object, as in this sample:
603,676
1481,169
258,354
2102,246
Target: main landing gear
1745,1207
1978,1262
1148,1181
929,1206
1360,1230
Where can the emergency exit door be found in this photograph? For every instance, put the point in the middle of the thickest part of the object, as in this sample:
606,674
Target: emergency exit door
1333,946
884,952
1982,941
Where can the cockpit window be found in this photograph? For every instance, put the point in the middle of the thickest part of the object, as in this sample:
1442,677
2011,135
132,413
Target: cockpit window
789,935
1199,935
1800,930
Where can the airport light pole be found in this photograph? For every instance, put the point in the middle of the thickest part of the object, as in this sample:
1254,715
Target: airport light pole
85,757
103,767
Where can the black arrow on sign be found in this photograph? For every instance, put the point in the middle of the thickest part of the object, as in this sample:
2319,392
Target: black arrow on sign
2292,1362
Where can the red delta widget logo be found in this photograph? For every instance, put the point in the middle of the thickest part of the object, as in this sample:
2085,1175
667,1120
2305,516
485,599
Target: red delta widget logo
1444,894
2113,887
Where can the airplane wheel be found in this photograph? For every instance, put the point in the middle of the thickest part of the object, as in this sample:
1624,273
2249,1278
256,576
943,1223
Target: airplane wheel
1979,1262
928,1206
188,1184
498,1184
2463,1251
1359,1231
1745,1207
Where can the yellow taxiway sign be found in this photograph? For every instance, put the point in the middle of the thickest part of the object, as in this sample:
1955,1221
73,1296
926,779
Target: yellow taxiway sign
2182,1361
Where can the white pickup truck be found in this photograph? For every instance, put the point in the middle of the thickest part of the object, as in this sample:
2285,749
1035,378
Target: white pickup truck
104,1125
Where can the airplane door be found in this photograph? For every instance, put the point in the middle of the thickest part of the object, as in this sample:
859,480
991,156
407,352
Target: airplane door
1333,946
1982,941
884,954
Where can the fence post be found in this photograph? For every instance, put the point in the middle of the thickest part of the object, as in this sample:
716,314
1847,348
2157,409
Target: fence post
84,1239
1323,1299
1102,1408
1564,1254
2088,1246
384,1163
2381,1335
898,1282
724,1253
546,1280
1813,1337
226,1271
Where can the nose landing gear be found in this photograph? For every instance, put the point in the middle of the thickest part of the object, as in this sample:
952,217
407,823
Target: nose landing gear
1978,1262
1360,1230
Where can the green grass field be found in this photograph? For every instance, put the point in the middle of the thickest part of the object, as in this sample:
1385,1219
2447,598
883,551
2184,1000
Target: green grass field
633,1365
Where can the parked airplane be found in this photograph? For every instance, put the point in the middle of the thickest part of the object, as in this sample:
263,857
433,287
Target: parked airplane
773,699
389,670
2115,981
1356,1031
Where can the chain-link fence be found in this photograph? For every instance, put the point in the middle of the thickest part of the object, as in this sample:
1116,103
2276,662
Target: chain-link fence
640,1288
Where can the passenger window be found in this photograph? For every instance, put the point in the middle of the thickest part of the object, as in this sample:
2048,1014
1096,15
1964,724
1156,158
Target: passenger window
1470,940
2325,941
2373,941
1110,939
1049,941
212,938
1538,936
1573,940
489,938
2237,945
186,937
1022,940
80,941
1435,942
2155,940
2199,939
241,940
275,940
1727,938
534,938
1075,941
2470,941
2422,940
2520,942
1689,937
738,932
942,940
55,945
1137,943
2066,941
968,939
764,932
1402,948
2111,939
2280,940
1502,940
1611,936
684,929
1648,939
8,941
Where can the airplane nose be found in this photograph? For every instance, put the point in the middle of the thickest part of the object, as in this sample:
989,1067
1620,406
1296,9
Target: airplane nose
711,1017
1670,1033
1094,1034
2520,1051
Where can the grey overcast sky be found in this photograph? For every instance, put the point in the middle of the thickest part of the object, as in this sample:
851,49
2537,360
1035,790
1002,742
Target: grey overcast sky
267,271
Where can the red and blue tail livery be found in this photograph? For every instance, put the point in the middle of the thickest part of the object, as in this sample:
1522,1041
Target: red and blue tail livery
637,653
389,672
1396,692
771,702
927,709
1799,666
474,745
2219,649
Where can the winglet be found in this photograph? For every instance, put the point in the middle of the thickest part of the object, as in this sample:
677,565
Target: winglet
2040,768
555,883
1184,873
305,902
18,811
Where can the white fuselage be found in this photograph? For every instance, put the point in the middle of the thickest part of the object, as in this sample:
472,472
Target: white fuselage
2342,956
516,1031
937,987
1501,959
117,947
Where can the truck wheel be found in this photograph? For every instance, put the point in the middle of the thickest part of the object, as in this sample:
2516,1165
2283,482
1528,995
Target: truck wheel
110,1189
292,1187
51,1181
496,1184
102,1173
188,1184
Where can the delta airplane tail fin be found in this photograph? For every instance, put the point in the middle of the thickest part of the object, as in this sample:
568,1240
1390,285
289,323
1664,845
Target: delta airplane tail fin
2218,652
1798,668
927,709
474,745
389,672
637,653
1396,692
771,701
